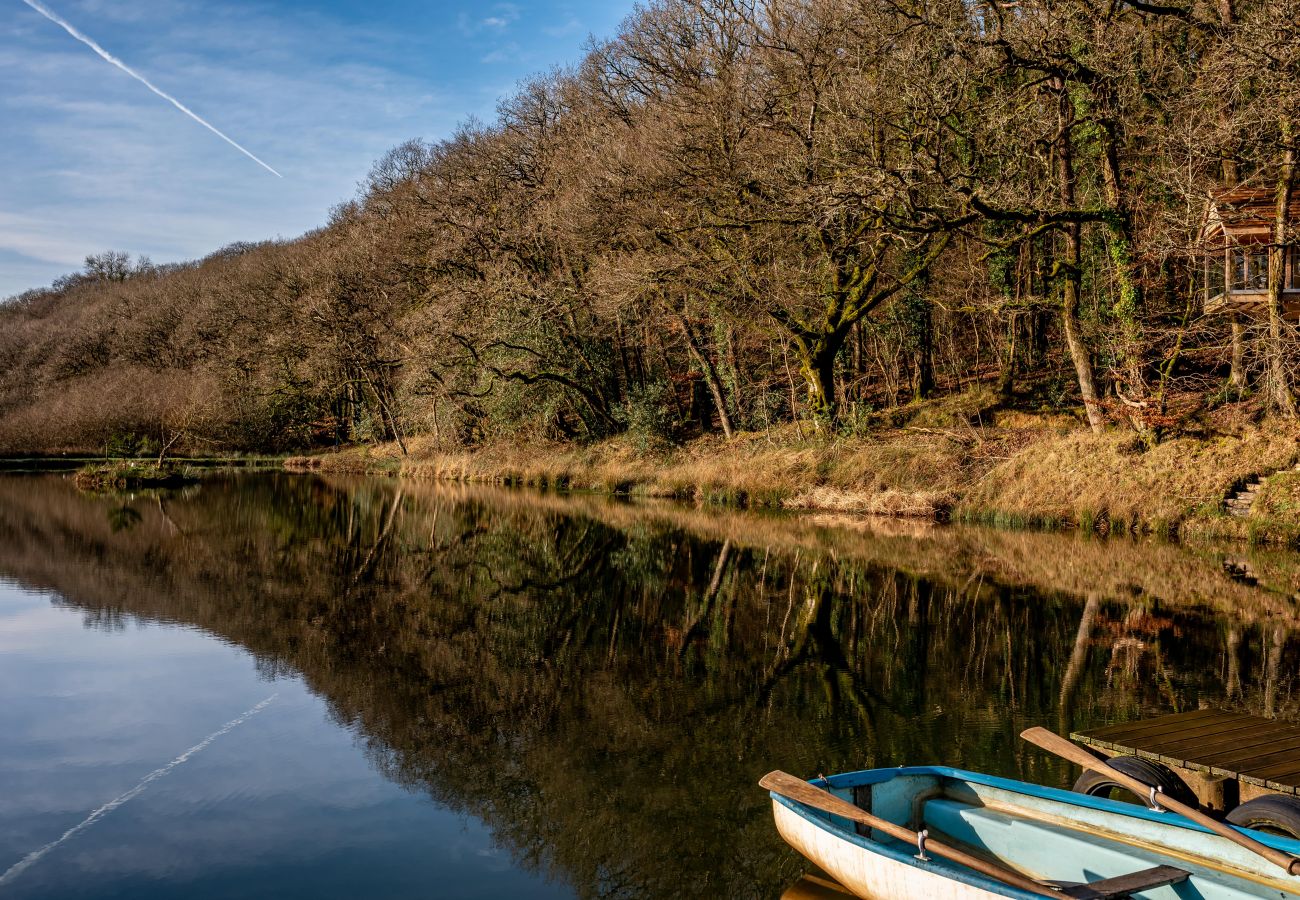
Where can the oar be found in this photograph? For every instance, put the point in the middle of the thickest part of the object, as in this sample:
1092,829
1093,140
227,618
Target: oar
802,792
1054,743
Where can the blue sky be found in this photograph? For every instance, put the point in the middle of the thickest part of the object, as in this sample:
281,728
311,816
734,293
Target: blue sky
91,160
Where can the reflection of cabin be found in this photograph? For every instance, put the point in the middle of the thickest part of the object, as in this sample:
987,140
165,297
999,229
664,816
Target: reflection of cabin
1238,230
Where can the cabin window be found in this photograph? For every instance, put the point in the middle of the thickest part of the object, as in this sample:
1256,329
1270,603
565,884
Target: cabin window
1249,269
1214,274
1294,283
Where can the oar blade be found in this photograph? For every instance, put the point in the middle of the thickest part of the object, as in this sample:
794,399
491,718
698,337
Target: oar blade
776,780
797,789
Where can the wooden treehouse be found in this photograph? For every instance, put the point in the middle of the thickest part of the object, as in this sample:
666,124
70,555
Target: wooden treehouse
1237,235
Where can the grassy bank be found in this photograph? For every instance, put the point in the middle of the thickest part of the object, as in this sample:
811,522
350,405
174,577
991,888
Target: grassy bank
73,463
130,475
1109,482
918,477
945,461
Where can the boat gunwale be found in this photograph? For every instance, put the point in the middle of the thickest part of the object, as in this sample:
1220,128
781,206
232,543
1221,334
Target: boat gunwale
865,777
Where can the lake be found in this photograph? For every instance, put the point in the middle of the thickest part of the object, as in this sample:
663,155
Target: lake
270,685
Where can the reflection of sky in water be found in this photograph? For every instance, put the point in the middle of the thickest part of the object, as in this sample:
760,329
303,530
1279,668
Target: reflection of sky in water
285,804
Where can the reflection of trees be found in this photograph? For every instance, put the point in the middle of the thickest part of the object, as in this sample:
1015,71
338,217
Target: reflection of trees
1078,659
603,688
121,518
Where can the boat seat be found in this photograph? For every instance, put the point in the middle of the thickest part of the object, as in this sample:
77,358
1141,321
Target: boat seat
1054,851
1127,885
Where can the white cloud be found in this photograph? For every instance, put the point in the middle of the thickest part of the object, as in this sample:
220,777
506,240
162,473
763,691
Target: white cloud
39,240
568,28
500,16
503,15
505,53
117,11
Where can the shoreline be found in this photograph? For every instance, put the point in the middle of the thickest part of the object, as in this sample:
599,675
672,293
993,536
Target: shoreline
1040,478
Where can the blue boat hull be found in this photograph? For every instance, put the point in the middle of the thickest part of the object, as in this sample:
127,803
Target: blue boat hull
1053,836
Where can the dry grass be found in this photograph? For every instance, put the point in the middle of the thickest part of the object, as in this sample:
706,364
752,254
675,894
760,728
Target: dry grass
1008,469
901,504
1279,498
1111,479
901,474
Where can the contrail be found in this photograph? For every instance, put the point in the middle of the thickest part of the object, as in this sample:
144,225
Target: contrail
108,57
17,868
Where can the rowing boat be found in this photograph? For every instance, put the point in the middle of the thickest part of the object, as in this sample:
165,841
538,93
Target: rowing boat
897,834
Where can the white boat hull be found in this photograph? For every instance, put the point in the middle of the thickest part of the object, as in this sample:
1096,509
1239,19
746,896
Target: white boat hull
872,876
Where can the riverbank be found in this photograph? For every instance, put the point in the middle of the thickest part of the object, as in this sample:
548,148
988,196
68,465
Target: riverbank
122,475
71,462
1011,470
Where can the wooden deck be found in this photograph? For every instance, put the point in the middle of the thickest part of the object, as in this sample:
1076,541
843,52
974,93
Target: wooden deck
1251,749
1252,303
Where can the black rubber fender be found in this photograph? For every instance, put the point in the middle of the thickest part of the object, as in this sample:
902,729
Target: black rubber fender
1272,813
1146,771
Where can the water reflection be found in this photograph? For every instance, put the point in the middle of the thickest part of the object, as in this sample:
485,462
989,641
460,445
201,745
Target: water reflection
281,804
602,684
815,887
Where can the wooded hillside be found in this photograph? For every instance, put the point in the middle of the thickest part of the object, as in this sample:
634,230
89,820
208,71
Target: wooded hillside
731,216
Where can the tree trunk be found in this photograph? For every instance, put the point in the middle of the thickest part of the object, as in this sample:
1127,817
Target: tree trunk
1007,367
386,417
1280,392
1070,295
1228,177
817,365
924,385
1237,372
1074,338
1037,341
1119,246
736,405
710,373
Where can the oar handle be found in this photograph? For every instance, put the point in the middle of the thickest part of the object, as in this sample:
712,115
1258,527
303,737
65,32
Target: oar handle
1054,743
800,791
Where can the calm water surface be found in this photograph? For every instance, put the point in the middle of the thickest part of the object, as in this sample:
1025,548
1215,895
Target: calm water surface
279,686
